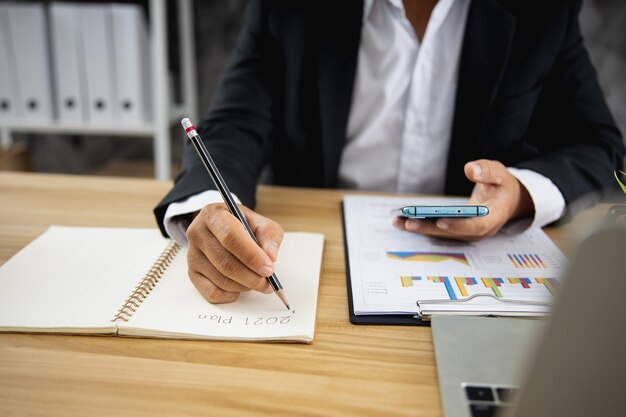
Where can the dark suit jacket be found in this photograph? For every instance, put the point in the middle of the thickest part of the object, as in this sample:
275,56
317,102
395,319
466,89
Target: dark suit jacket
527,96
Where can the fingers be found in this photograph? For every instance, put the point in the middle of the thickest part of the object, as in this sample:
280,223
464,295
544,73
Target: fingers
210,291
399,222
470,229
495,188
223,259
200,264
233,237
269,233
485,171
463,229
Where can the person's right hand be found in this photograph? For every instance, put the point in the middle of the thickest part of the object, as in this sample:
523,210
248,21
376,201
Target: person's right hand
224,260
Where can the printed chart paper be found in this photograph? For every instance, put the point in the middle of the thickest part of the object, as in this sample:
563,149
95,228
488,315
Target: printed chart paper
391,269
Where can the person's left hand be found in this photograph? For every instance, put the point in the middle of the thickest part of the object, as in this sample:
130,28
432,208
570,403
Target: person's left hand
496,188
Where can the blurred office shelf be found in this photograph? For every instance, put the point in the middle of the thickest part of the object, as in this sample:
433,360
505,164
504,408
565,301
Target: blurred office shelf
164,114
129,168
148,128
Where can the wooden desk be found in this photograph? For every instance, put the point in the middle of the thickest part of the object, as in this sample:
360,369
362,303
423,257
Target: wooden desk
347,371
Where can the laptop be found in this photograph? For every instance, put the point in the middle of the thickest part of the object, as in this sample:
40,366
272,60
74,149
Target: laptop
571,364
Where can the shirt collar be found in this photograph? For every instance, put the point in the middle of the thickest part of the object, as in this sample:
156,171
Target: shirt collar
440,10
397,3
367,6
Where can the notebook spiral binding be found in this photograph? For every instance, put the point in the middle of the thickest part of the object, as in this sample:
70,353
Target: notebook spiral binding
147,283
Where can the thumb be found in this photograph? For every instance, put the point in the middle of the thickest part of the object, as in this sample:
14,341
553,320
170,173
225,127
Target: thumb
485,171
268,232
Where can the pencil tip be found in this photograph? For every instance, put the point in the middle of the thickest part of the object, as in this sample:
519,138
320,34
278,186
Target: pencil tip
281,295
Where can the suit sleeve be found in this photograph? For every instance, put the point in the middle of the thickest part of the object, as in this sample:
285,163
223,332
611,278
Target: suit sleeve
237,130
579,143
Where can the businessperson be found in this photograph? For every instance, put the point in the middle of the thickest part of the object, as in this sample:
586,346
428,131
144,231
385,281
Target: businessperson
496,99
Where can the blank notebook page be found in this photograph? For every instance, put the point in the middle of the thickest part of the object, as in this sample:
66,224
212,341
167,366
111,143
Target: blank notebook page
75,278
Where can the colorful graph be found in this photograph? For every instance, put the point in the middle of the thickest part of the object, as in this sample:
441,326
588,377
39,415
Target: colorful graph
550,283
513,287
494,284
525,282
429,257
461,282
446,282
526,260
407,281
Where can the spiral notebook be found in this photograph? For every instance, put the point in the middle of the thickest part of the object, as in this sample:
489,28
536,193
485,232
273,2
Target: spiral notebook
133,282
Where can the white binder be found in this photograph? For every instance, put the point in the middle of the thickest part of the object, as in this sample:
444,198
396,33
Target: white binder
28,34
8,91
67,57
98,62
132,63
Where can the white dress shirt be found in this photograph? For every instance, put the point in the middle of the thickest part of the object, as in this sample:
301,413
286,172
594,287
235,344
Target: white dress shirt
403,99
400,120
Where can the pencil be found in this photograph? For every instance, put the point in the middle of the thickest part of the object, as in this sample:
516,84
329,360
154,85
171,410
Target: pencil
217,178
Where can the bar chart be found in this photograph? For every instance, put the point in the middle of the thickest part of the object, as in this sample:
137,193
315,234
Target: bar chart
459,287
431,257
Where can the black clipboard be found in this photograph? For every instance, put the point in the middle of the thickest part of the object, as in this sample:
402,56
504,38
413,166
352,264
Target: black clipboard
385,319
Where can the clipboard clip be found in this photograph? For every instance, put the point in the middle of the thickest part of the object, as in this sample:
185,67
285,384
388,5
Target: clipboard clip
491,296
421,304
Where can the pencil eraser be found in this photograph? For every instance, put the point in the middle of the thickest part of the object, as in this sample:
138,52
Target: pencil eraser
190,129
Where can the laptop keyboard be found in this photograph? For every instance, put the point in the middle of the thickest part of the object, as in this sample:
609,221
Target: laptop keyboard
488,400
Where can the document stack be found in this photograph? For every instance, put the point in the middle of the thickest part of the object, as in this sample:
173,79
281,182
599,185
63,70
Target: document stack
74,64
25,88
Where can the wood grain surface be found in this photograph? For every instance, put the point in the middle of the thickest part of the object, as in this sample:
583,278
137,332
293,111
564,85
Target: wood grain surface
347,371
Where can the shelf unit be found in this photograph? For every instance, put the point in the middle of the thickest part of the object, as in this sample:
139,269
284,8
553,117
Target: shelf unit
164,113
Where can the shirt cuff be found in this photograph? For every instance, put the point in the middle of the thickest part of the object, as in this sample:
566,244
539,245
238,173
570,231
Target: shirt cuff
175,221
547,199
